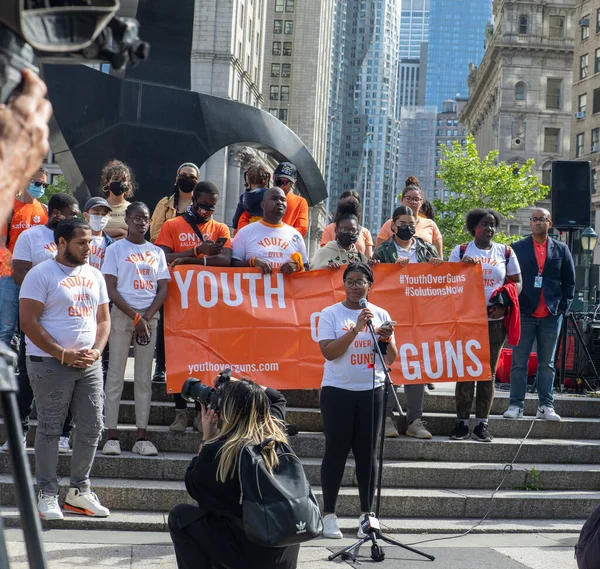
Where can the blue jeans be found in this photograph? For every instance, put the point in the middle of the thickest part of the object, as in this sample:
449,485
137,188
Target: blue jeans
545,331
9,308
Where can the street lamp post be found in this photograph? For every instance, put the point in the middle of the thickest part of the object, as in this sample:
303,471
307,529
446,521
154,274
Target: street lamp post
589,239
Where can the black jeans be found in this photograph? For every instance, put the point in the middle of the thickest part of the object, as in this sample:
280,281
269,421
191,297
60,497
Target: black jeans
348,424
25,395
215,542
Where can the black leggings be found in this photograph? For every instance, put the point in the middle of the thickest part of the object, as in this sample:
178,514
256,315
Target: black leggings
347,421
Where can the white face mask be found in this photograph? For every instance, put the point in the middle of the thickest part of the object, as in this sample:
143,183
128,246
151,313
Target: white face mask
98,222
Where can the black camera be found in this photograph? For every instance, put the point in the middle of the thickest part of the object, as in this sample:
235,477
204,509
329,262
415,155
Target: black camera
194,390
64,31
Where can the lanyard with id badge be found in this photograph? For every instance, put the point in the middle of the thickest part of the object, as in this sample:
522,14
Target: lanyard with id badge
537,282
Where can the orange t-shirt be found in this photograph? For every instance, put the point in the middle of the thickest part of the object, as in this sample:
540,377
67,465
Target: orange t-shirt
296,214
364,238
541,252
25,215
426,229
178,235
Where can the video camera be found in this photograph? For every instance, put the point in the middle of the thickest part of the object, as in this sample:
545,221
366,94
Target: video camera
64,31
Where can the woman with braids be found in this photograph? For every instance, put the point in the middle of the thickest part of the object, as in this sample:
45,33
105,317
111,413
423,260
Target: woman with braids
210,535
117,185
351,391
426,228
342,250
350,203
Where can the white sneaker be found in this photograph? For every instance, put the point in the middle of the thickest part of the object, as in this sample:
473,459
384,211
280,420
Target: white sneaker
417,430
145,448
548,413
63,445
112,447
390,428
331,529
513,412
6,447
48,507
85,503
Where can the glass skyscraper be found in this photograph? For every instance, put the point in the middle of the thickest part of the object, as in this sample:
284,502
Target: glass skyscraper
456,36
414,27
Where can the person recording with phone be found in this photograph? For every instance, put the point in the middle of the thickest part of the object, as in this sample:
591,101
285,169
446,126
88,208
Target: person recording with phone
195,238
351,390
402,248
210,534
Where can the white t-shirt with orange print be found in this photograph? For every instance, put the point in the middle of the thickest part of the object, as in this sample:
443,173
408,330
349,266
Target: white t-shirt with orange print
273,243
353,370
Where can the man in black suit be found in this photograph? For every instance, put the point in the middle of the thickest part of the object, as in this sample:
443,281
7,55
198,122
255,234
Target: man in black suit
548,277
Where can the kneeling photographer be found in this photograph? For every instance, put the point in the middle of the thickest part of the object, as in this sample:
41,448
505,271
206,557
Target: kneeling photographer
211,534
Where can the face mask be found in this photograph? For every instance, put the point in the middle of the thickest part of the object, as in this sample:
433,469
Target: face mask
406,233
186,185
118,188
98,222
198,214
347,239
35,192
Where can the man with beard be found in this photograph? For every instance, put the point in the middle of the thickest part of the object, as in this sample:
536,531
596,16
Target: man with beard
270,244
64,314
195,238
34,246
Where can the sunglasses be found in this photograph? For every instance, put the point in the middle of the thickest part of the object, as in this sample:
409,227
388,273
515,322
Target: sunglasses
37,183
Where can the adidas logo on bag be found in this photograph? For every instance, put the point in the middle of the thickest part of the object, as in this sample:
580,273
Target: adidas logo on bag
301,528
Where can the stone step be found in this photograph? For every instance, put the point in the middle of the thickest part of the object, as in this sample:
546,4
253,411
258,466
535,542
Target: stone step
439,401
162,495
309,420
396,474
543,451
122,520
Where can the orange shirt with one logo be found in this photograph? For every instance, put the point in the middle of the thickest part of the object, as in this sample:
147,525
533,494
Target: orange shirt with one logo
177,234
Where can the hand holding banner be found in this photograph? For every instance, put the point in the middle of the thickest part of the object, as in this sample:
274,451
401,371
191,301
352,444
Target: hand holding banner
265,326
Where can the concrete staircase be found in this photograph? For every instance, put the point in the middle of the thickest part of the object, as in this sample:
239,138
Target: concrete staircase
434,486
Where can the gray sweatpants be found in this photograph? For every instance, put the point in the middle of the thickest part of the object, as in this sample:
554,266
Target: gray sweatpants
56,388
414,402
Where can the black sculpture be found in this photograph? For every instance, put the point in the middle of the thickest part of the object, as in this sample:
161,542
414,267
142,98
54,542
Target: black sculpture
151,120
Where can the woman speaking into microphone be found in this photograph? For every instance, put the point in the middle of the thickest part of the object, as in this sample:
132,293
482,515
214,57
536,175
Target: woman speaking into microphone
352,394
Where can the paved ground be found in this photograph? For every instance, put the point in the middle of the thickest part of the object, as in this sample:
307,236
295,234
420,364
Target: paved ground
72,549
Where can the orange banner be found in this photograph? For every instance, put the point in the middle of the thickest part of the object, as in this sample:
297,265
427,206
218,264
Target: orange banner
265,326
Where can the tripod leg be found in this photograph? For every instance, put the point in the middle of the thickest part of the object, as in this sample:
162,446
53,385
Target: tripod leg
22,478
347,552
582,342
394,542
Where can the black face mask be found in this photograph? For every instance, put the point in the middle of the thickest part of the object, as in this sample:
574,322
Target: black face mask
118,188
186,185
347,239
406,233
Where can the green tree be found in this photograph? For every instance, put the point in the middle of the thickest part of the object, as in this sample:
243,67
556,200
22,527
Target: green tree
59,186
484,183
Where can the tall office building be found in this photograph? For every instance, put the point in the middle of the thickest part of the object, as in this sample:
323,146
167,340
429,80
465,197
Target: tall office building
363,102
456,38
414,31
227,61
297,66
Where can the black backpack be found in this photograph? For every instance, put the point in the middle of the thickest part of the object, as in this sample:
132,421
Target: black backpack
279,509
587,550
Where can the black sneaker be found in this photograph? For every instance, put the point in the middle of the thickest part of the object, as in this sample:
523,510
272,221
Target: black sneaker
481,433
159,377
460,431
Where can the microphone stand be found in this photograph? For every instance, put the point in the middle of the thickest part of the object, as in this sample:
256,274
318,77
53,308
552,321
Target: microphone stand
370,525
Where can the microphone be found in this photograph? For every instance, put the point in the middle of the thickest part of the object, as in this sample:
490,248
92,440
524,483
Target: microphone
364,304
